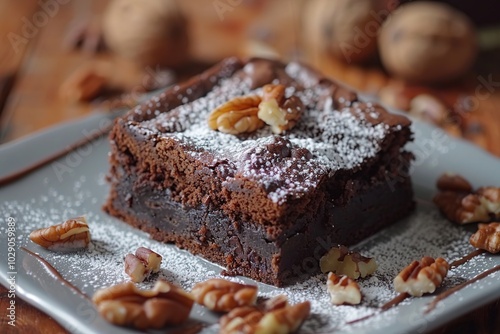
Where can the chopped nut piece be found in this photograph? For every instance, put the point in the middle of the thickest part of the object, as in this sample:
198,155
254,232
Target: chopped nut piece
241,320
135,268
237,116
275,303
395,96
142,264
69,236
343,290
245,319
151,260
222,296
84,84
487,237
421,276
344,262
460,204
277,111
461,208
247,113
490,200
428,108
453,182
126,305
252,320
284,320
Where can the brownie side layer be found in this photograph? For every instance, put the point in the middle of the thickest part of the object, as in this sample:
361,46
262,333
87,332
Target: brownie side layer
259,204
243,247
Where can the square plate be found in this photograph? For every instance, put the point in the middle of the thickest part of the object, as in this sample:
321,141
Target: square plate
75,185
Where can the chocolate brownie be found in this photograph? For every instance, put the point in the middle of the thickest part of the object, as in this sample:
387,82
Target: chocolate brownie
262,205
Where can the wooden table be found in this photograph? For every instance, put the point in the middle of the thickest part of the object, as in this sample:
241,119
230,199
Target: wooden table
34,63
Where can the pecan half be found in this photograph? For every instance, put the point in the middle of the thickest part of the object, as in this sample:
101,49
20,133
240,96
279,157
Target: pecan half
421,276
69,236
343,290
279,112
222,295
460,204
126,305
282,318
342,261
236,116
241,320
487,237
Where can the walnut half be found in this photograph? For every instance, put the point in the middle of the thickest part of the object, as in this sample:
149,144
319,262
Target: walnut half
421,276
342,261
73,234
126,305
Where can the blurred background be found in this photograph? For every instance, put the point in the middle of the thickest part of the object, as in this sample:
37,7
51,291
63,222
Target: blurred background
61,60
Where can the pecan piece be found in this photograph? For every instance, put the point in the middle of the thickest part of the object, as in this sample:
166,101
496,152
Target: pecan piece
281,318
69,236
421,276
284,320
141,265
342,261
490,200
487,237
85,84
275,303
243,319
343,290
236,116
279,112
428,108
453,182
221,295
460,204
126,305
135,269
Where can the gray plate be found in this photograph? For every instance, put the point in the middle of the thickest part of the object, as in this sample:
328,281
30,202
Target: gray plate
74,185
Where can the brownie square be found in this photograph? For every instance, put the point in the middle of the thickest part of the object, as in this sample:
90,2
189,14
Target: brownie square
262,205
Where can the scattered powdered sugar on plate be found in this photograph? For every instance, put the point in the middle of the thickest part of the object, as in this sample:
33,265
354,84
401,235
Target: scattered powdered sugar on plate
424,233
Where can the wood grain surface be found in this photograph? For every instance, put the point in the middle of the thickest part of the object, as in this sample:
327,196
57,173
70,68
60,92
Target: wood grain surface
35,63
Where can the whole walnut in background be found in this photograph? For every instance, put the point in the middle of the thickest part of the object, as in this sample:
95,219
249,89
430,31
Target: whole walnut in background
152,32
347,29
427,42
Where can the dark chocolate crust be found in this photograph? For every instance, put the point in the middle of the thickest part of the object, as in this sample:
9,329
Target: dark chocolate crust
262,205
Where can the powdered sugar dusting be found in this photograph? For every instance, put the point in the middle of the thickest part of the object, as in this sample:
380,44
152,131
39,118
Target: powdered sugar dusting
337,139
424,233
